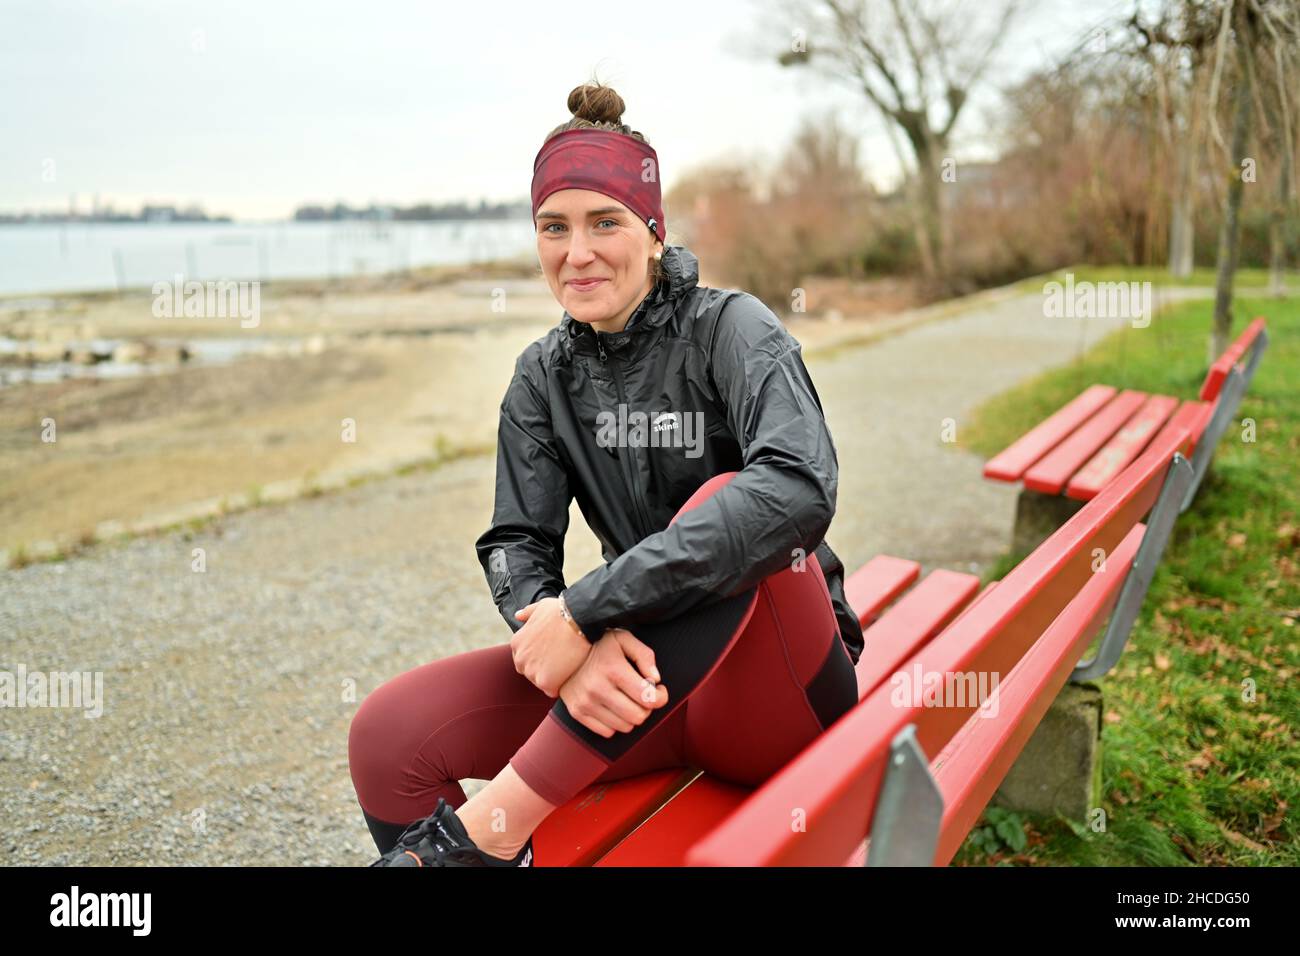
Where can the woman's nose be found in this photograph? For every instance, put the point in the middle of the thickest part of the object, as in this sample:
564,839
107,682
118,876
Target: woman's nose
579,251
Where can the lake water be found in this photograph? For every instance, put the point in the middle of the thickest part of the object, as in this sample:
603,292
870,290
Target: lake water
94,256
202,351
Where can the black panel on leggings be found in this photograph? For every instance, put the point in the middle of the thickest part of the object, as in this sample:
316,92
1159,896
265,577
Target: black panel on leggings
384,834
833,691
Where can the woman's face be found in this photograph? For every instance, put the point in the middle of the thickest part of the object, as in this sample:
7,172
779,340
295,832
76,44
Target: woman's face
586,235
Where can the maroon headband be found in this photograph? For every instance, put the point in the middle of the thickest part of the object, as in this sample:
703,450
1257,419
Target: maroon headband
604,162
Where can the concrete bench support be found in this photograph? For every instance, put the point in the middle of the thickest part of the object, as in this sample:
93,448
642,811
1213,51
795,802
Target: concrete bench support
1059,771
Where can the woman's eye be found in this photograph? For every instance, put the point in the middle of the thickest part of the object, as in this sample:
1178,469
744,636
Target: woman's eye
600,222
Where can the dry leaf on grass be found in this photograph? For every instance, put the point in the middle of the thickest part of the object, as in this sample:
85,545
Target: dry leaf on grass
1237,839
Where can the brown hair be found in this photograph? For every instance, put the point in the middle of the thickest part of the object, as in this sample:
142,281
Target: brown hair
598,106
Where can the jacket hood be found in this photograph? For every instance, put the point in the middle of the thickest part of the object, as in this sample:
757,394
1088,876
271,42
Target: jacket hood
681,271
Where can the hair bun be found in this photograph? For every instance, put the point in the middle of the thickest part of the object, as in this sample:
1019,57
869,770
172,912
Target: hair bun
596,104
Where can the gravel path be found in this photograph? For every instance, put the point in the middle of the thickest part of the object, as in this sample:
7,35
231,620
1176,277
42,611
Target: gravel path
227,693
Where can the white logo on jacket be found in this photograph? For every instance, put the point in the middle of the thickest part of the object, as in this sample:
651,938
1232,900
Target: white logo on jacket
651,430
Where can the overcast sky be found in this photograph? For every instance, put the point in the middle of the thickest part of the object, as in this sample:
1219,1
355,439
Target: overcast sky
252,107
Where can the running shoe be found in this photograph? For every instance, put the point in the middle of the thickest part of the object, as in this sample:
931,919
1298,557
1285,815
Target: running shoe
440,839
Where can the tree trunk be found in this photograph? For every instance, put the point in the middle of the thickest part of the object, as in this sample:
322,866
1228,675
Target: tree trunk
924,194
1276,259
1277,239
921,227
1181,237
1181,232
933,210
928,207
1230,229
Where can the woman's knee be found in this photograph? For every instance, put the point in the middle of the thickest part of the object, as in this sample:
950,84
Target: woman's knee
426,727
372,738
707,490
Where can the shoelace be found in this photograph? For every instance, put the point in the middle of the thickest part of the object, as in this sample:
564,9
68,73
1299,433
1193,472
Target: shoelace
412,836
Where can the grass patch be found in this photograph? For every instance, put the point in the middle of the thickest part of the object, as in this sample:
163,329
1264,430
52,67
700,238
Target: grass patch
1200,756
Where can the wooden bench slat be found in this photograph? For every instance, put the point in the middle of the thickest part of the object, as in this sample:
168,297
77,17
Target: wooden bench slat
1116,454
664,839
1193,416
917,616
1013,461
877,583
836,780
1219,371
975,762
975,601
592,823
1054,469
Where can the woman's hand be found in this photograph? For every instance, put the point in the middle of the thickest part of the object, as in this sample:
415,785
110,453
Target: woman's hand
607,692
547,649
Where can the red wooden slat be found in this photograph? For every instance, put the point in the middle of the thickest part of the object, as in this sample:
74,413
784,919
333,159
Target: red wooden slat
974,763
1012,462
877,583
836,780
664,839
1051,472
1193,416
1218,374
918,616
975,603
588,826
1119,452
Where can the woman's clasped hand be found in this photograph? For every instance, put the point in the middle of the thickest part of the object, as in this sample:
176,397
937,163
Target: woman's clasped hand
611,685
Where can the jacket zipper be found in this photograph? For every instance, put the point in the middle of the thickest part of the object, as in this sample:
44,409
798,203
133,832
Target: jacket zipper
630,468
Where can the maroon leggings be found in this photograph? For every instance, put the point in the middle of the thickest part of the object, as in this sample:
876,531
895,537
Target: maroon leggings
751,679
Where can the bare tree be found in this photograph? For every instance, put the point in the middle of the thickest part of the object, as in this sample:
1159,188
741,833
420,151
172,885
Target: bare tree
1278,105
916,63
819,190
1230,227
1263,32
1173,44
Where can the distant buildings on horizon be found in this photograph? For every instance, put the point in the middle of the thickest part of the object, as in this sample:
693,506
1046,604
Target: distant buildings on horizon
154,213
149,212
421,212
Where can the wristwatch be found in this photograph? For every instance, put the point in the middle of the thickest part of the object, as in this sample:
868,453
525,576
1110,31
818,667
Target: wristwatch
564,613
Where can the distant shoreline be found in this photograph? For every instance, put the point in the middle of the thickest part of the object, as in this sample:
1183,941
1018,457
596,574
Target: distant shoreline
424,276
104,258
9,219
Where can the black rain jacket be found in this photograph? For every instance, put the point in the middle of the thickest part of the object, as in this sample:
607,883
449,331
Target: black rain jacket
687,349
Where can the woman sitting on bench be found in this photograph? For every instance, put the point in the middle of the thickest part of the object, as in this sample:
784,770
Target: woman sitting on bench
717,634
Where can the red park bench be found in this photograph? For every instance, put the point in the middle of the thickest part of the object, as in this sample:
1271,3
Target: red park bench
866,791
1071,455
